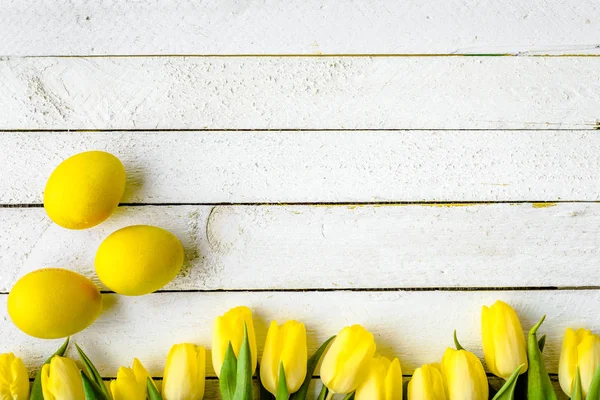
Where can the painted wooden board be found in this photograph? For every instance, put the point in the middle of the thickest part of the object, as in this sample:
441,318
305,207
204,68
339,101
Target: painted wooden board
282,167
414,326
307,27
335,247
300,93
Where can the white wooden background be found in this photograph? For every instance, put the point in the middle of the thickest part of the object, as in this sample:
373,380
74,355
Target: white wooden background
331,161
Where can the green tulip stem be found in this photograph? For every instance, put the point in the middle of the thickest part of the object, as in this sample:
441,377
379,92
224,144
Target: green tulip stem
457,343
507,392
577,390
323,393
243,382
594,390
539,386
330,396
282,391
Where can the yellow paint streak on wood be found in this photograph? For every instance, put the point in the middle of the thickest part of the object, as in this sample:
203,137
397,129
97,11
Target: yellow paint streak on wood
452,204
543,205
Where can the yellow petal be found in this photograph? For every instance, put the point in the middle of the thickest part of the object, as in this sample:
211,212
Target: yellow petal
284,344
487,339
347,361
47,394
567,365
229,327
269,364
373,386
14,380
588,353
503,340
61,380
464,376
294,354
184,373
393,381
126,386
426,384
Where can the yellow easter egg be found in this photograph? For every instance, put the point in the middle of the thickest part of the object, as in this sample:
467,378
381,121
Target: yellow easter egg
53,303
138,259
84,190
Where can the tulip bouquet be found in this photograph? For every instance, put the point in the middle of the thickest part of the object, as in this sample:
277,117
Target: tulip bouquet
350,367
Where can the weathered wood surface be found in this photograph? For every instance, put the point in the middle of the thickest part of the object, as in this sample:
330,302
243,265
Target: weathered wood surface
308,27
335,247
316,167
300,93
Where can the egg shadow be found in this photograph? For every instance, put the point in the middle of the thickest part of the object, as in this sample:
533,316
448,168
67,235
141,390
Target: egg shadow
109,302
136,177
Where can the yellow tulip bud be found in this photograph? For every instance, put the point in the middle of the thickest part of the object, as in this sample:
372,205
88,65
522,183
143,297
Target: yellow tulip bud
61,380
285,344
581,349
14,381
347,361
184,374
464,377
503,340
130,383
427,383
229,327
383,381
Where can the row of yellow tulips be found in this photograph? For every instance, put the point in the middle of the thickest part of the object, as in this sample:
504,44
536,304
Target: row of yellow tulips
349,367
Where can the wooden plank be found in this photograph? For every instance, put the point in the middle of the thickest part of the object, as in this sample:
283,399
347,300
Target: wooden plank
402,322
307,27
335,247
314,167
299,93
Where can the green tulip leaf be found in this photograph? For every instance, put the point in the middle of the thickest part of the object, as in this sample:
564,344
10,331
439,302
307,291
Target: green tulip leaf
311,366
152,391
542,343
323,393
507,391
91,389
228,374
457,343
36,387
594,391
349,396
577,390
539,386
243,383
282,391
92,372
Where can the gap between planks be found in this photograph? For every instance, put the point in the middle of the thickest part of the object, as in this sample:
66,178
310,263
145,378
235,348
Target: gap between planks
461,203
375,290
319,55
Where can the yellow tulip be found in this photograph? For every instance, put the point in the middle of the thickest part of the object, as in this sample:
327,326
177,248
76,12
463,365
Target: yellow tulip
581,349
503,340
229,327
347,361
61,380
427,383
14,380
130,383
184,374
285,344
383,381
464,377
